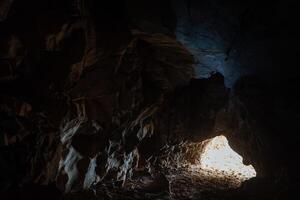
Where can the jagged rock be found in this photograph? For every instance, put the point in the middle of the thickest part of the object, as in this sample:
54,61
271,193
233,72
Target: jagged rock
106,129
4,9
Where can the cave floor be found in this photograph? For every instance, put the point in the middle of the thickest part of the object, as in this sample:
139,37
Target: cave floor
182,184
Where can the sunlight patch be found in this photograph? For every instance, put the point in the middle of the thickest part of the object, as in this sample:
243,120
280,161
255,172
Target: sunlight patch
220,161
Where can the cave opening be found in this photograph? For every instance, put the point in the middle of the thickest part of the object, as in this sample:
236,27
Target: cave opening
219,160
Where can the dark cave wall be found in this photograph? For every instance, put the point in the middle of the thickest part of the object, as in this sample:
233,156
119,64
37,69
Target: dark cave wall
239,38
254,45
84,72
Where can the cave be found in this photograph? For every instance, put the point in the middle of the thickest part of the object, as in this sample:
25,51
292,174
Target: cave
137,99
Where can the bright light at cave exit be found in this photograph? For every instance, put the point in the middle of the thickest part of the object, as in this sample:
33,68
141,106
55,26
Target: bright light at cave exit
218,157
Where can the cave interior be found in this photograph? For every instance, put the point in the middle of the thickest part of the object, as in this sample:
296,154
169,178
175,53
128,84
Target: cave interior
137,99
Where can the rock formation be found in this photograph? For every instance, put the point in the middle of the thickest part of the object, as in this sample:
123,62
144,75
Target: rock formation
101,101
